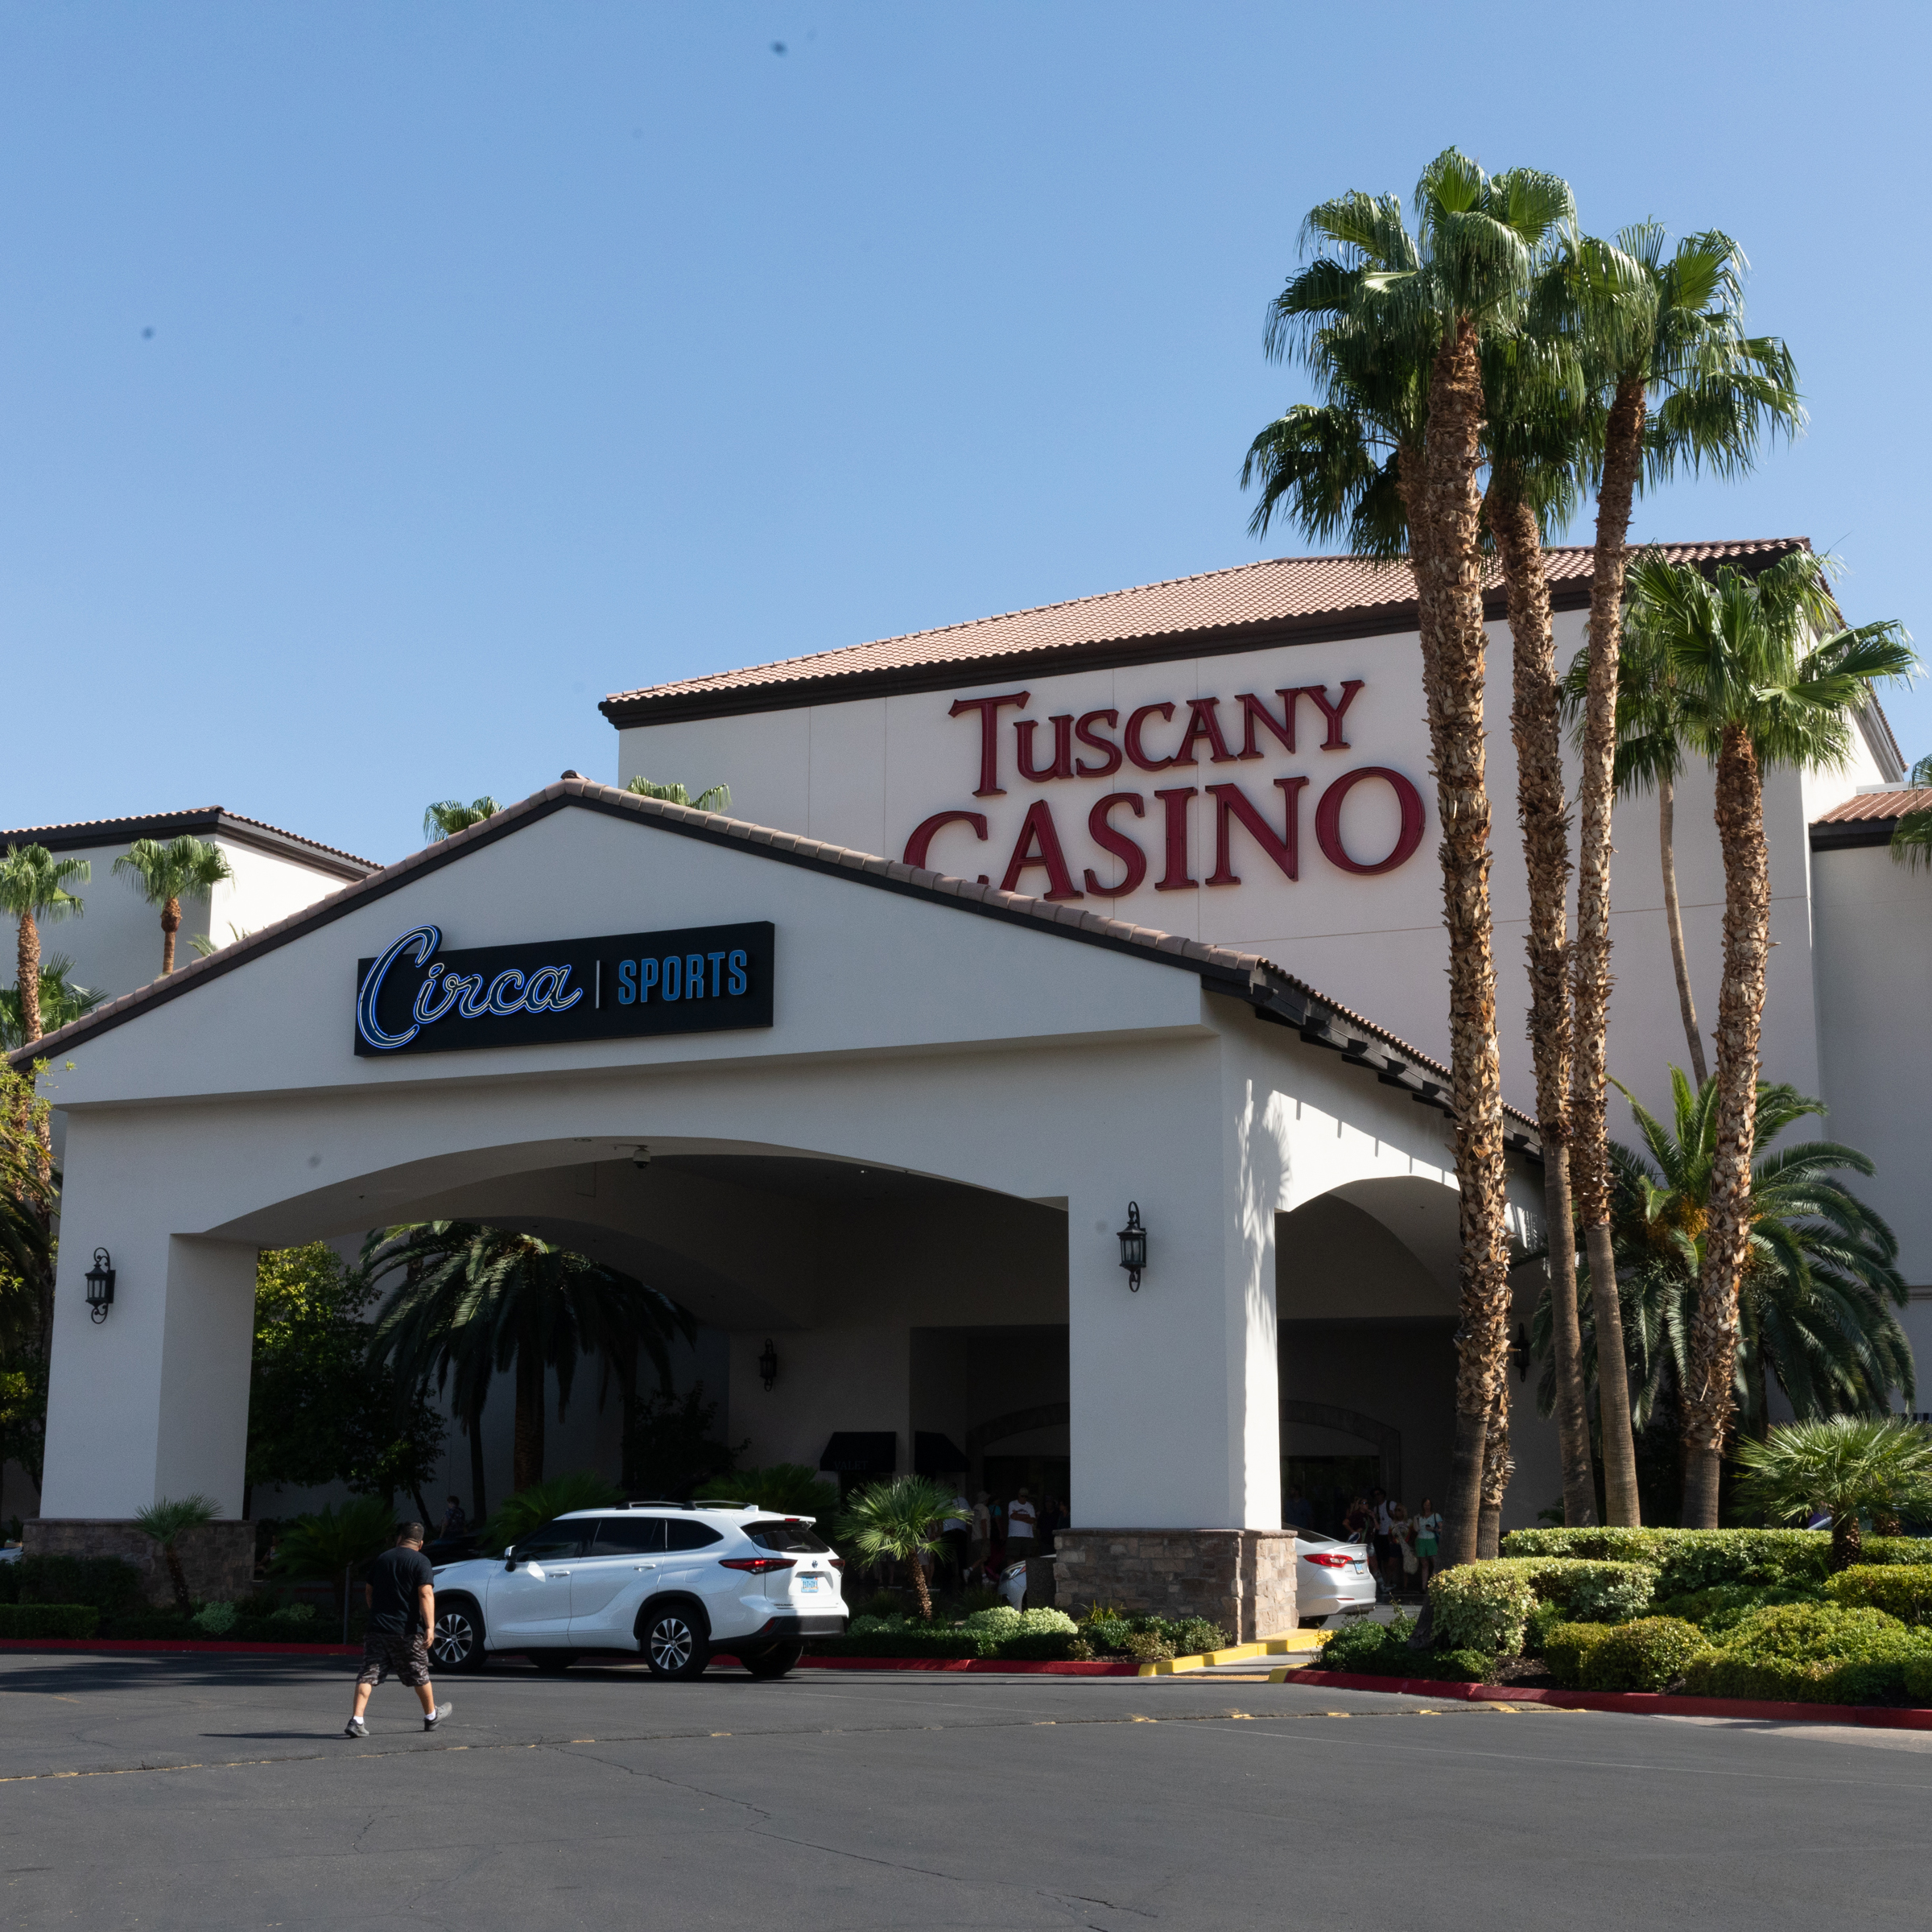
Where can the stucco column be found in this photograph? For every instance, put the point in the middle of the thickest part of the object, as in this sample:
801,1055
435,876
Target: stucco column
151,1403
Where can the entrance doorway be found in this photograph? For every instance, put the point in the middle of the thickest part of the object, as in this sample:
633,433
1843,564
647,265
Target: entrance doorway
1331,1483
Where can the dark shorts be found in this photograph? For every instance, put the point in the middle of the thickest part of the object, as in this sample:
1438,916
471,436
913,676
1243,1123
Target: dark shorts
386,1654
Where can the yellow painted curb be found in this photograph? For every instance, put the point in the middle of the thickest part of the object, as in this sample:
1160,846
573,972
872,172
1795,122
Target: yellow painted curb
1286,1645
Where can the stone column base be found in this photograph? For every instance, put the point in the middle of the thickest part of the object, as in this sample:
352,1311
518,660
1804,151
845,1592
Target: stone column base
218,1558
1242,1579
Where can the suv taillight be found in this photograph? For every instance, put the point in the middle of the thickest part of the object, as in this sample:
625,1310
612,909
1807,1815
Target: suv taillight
1329,1559
756,1565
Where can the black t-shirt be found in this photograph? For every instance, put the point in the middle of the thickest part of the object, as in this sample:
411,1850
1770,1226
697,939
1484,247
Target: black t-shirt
394,1579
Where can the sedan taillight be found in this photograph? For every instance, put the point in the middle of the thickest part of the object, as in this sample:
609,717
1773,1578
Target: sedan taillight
756,1565
1329,1559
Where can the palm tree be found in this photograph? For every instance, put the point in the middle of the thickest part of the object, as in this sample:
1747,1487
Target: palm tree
165,1523
1680,383
475,1299
675,794
60,1002
449,816
785,1488
1757,693
165,875
28,1201
1912,837
33,888
1846,1464
531,1508
329,1546
898,1519
1392,326
1820,1283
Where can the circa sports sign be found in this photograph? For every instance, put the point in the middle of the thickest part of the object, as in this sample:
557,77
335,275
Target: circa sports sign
1173,736
419,997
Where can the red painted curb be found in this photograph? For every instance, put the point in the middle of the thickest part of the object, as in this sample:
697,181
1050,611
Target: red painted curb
187,1645
1649,1703
1031,1666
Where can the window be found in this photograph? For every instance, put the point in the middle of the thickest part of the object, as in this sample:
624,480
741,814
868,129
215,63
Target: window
797,1539
689,1536
629,1535
549,1542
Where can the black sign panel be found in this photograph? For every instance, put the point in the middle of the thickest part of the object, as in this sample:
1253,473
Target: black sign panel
418,997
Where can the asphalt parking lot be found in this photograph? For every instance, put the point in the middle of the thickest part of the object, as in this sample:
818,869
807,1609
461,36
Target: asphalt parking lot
160,1791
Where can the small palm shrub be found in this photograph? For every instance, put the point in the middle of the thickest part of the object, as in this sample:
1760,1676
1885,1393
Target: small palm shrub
1900,1590
531,1508
1850,1465
898,1518
1482,1606
165,1523
325,1546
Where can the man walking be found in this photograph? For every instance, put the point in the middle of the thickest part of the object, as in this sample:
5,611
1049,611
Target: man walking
401,1596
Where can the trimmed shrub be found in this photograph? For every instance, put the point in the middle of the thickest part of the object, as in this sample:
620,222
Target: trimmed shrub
1719,1609
1195,1635
1895,1549
1543,1620
1370,1649
1149,1646
1592,1592
215,1620
48,1620
1645,1655
1005,1621
1045,1646
1900,1590
1353,1649
109,1584
1813,1652
1483,1607
1690,1559
1566,1650
1918,1679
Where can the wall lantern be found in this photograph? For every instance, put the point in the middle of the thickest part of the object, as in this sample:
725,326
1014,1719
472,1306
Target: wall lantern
768,1364
101,1285
1134,1246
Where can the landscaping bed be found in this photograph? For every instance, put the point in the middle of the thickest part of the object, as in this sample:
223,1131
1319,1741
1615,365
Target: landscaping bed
1003,1636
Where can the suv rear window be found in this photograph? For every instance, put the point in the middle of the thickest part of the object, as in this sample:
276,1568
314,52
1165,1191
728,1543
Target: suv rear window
689,1536
797,1539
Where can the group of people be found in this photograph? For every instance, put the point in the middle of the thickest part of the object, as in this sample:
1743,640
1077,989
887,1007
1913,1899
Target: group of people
1404,1548
982,1537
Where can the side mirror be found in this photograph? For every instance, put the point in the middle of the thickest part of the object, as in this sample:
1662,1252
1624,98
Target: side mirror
510,1559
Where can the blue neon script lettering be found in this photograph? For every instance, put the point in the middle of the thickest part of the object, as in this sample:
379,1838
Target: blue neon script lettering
547,990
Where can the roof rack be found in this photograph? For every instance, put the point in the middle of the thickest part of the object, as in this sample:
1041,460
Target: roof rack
707,1502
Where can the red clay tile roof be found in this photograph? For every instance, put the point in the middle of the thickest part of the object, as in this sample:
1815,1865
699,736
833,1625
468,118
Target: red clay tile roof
1283,597
1881,805
200,820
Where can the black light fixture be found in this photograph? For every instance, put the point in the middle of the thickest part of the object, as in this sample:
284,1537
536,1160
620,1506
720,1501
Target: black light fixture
768,1364
101,1285
1134,1247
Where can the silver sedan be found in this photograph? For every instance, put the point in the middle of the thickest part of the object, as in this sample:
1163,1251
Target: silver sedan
1330,1578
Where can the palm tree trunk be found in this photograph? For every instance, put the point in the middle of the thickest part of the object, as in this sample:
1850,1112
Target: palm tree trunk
1590,955
28,979
1448,568
528,1457
1498,1466
178,1577
1740,1006
479,1508
170,924
1666,840
918,1583
1537,729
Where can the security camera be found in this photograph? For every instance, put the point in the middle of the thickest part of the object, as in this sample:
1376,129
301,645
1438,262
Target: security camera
640,1159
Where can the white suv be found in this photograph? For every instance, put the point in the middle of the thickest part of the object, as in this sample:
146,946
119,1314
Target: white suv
674,1583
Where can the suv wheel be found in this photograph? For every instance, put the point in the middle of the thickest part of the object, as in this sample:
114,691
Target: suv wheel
776,1661
456,1643
677,1643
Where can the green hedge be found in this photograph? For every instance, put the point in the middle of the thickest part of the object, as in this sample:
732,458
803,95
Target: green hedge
1371,1649
109,1584
1567,1647
1483,1606
1646,1655
1719,1610
48,1620
1896,1550
1900,1590
1692,1559
1815,1653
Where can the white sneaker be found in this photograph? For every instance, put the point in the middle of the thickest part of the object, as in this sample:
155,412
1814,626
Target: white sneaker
355,1728
436,1716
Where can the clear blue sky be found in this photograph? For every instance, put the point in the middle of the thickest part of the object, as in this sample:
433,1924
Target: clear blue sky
502,356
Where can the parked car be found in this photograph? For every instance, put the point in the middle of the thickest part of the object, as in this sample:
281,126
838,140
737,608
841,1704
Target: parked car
1330,1578
676,1584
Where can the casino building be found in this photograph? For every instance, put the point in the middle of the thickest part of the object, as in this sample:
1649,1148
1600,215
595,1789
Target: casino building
1016,931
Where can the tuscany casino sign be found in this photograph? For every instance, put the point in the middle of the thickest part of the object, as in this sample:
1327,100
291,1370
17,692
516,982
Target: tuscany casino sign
1097,828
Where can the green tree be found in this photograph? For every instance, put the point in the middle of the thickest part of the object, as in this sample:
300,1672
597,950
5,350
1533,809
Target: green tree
330,1544
61,1002
530,1509
1849,1465
675,794
449,816
1391,325
166,1523
898,1519
1681,384
1912,837
671,1445
1760,688
33,888
1820,1282
164,875
321,1409
471,1296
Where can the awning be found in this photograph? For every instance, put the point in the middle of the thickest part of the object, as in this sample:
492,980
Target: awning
862,1452
935,1455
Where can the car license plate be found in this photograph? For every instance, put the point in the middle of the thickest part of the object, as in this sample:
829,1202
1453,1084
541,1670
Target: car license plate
808,1583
